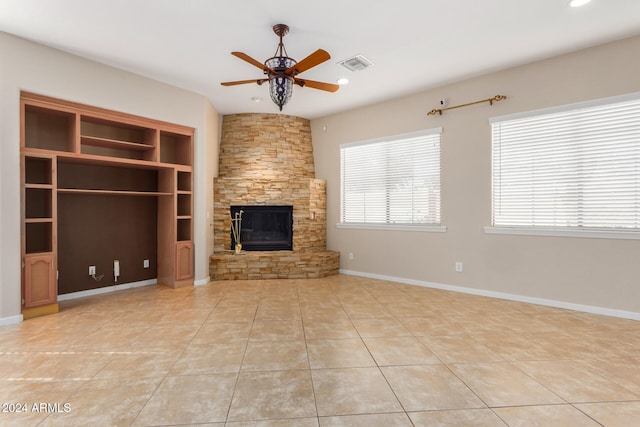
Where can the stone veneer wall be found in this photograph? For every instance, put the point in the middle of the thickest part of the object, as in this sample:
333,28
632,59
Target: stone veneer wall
267,159
266,146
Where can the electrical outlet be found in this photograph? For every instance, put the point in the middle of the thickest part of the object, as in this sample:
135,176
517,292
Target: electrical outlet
459,266
351,255
145,263
92,270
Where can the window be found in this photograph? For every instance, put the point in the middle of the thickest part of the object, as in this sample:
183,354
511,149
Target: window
571,168
391,181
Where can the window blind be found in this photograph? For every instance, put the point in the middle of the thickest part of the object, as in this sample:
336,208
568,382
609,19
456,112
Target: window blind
575,168
392,181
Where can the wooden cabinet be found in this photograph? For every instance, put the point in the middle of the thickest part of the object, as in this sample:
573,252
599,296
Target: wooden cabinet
74,150
40,280
184,260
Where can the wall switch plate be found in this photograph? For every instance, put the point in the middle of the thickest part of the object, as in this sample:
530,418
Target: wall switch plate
145,263
459,266
92,270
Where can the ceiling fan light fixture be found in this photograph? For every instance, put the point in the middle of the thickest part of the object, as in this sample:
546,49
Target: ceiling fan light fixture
280,89
342,81
280,84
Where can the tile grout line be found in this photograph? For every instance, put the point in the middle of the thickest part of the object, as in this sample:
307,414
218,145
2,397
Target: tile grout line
235,384
306,346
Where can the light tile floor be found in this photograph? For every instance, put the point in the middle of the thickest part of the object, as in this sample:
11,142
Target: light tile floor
339,351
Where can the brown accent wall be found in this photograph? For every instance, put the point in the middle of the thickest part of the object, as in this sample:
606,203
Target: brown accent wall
95,230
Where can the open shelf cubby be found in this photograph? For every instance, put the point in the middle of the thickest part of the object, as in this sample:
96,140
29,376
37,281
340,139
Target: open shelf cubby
83,176
175,149
184,181
38,203
114,139
183,229
49,129
38,237
37,170
184,204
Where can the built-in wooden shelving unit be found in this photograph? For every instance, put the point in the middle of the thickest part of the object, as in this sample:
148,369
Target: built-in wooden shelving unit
72,149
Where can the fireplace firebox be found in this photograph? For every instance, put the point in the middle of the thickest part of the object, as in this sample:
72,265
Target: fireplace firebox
265,228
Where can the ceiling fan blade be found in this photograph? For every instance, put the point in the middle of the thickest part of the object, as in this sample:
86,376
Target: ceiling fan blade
242,82
329,87
250,60
317,57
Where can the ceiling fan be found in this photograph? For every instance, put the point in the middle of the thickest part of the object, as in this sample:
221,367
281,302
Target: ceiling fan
281,71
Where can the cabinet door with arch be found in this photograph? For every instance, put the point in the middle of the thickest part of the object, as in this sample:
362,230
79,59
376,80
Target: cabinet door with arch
184,260
39,280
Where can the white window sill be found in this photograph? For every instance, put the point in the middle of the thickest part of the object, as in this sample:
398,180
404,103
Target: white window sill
559,232
395,227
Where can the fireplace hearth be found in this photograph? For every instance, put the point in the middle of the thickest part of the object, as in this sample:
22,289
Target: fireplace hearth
265,228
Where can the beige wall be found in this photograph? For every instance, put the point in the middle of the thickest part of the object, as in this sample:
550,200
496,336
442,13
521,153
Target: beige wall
214,121
584,271
36,68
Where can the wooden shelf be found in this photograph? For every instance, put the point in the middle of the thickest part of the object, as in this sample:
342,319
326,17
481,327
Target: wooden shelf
94,159
114,143
39,186
112,192
38,253
37,220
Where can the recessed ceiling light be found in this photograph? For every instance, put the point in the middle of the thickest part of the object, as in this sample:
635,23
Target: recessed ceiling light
342,81
256,99
578,3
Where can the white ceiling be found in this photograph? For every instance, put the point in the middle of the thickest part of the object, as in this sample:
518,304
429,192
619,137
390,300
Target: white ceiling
414,44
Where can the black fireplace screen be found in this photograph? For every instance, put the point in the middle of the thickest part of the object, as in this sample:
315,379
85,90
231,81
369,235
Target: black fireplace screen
265,228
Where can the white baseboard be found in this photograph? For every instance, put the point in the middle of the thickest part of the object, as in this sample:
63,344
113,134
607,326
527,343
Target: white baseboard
4,321
512,297
202,281
107,289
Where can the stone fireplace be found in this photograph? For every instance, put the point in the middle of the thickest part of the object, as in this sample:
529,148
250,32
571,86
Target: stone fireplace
267,160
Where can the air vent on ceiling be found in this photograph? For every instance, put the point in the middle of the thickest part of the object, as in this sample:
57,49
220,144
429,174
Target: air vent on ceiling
356,63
